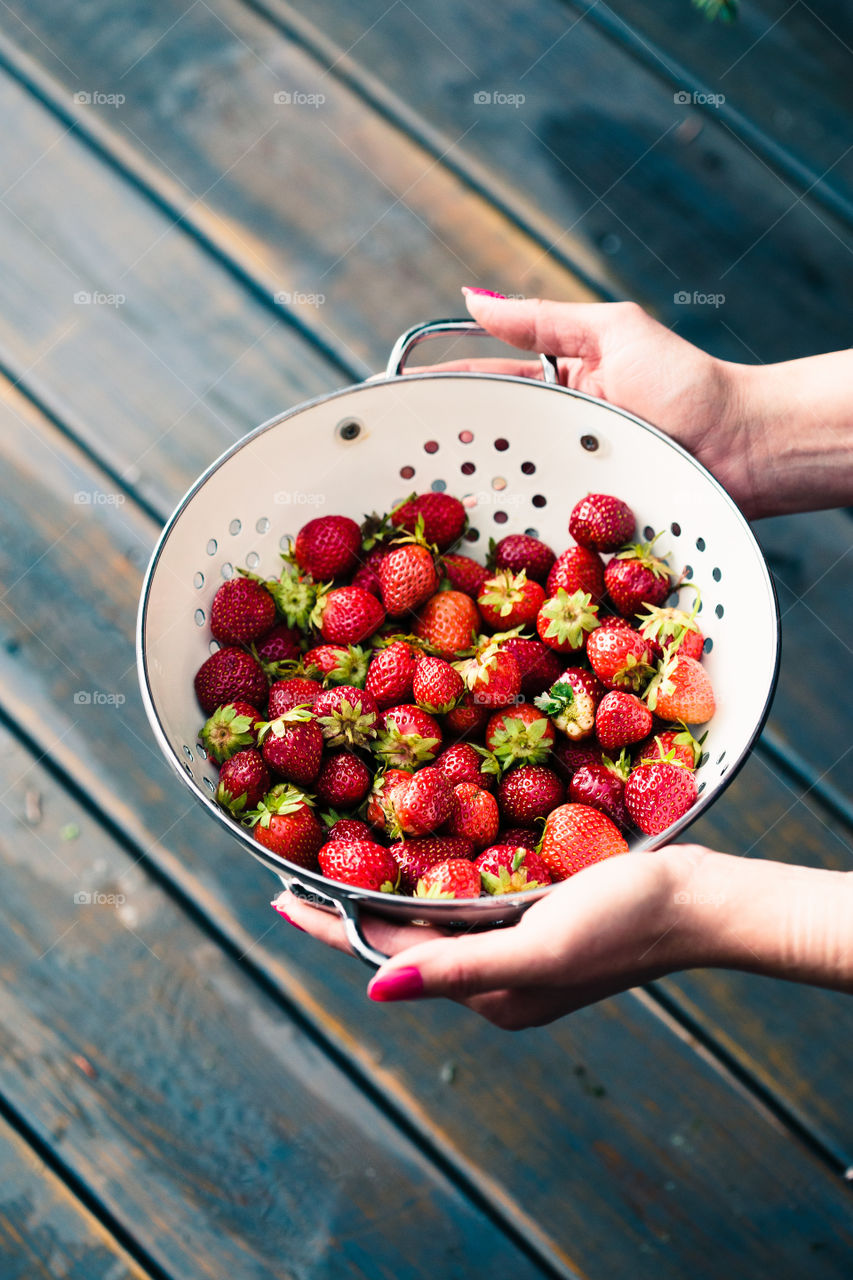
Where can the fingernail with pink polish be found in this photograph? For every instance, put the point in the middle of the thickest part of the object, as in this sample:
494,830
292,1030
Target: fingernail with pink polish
484,293
286,917
402,984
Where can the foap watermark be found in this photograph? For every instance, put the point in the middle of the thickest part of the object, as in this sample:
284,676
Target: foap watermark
691,898
697,99
83,898
497,98
298,498
95,98
293,98
98,698
686,298
492,498
285,298
85,298
97,498
487,700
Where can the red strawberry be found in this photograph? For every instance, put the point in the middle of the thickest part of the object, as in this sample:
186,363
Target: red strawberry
444,518
520,735
676,744
467,718
621,718
449,622
464,574
571,702
336,664
620,657
408,578
682,691
568,756
658,794
454,878
298,691
510,600
348,829
539,665
389,675
577,570
519,551
328,547
243,779
474,814
526,837
601,522
350,614
407,736
425,803
347,716
343,780
414,857
576,836
529,792
635,577
284,823
381,809
230,675
670,627
436,685
361,863
292,745
229,729
242,611
464,763
368,575
492,676
506,868
603,787
281,644
564,620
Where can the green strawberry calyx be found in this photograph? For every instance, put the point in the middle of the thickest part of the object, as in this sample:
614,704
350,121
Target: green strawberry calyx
516,742
642,553
504,591
511,879
557,699
278,727
403,750
350,668
349,725
225,733
569,617
668,624
282,799
295,595
491,765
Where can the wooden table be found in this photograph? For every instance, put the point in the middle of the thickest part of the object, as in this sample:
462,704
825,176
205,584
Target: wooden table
188,1088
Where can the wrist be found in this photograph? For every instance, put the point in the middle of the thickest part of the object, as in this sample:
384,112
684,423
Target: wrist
763,917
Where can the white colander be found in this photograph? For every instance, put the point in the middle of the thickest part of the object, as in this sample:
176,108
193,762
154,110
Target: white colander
519,453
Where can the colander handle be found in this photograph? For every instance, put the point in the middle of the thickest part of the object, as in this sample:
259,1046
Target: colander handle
407,342
372,956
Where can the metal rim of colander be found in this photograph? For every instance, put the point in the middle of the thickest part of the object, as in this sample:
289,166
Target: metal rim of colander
346,897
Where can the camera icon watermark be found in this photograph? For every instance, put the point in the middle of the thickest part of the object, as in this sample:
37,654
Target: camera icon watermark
97,498
85,298
95,98
98,698
684,298
85,899
687,898
497,98
293,98
286,298
298,498
696,99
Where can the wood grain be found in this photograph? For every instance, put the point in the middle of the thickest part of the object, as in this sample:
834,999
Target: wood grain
607,1146
45,1232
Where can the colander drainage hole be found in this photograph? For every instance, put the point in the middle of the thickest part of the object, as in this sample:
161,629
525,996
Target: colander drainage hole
539,500
406,473
235,527
528,468
198,580
648,533
188,768
212,547
213,647
700,788
187,752
284,541
349,429
716,575
209,783
501,445
466,436
467,468
723,770
700,544
719,611
263,525
590,443
675,529
199,617
532,533
498,482
200,751
227,570
438,486
500,517
703,759
721,757
708,645
472,535
431,446
253,560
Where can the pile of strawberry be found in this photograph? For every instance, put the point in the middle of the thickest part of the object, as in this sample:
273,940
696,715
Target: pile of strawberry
399,717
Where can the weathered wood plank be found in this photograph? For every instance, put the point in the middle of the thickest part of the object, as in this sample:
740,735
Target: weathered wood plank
784,70
319,198
605,1146
203,1118
45,1231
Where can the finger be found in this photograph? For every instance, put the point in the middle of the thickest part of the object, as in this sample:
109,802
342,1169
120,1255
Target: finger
536,324
463,966
328,927
496,364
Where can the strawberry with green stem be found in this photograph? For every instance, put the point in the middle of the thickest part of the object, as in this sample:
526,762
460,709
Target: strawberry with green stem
636,576
491,676
674,628
658,793
620,719
407,575
602,785
449,623
243,781
521,551
601,522
230,675
423,804
464,762
343,780
336,664
564,620
505,868
509,600
522,734
231,728
360,863
571,702
454,878
620,657
529,793
463,574
349,615
673,744
390,672
284,823
347,716
577,569
436,685
296,596
292,745
296,691
577,836
438,517
407,737
681,690
327,547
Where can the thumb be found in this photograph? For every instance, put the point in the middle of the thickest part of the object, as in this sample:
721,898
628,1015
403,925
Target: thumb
460,967
535,324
